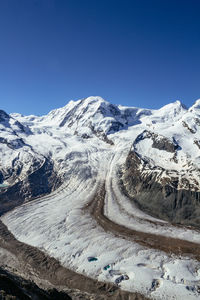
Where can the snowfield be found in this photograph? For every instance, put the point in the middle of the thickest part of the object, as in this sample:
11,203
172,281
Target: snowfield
61,223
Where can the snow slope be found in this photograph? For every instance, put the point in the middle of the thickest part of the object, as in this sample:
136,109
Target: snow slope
60,223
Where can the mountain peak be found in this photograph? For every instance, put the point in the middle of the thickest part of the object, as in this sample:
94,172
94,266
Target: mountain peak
91,114
94,99
169,113
195,106
178,105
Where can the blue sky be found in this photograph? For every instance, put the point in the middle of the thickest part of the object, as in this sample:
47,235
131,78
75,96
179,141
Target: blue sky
143,53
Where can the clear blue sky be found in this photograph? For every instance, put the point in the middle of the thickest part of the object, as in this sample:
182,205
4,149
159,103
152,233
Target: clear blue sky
142,53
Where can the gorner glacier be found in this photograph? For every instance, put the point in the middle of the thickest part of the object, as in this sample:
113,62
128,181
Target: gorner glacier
112,192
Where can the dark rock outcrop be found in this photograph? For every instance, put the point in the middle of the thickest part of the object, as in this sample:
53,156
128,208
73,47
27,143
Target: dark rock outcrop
13,144
15,287
5,119
3,116
42,180
159,142
160,199
188,127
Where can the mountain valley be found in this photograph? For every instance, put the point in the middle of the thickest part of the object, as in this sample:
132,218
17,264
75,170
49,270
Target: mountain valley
110,194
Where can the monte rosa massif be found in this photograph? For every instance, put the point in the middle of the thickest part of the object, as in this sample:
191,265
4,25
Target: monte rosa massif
109,193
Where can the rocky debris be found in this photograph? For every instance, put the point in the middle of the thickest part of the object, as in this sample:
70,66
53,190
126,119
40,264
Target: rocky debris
167,244
18,288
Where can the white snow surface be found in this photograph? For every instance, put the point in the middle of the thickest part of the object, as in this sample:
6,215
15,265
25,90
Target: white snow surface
57,223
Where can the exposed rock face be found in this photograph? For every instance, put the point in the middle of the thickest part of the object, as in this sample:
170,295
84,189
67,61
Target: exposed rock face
42,180
13,124
25,172
3,116
187,126
159,142
17,143
160,198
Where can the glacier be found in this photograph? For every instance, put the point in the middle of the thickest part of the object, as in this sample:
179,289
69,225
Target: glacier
86,148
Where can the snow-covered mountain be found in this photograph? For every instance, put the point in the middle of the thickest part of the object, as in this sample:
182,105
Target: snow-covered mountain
145,162
167,140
